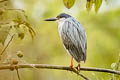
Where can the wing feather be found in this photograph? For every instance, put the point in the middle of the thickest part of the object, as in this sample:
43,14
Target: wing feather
74,40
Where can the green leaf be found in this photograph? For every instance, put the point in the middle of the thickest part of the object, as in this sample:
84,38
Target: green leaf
20,54
98,3
19,29
69,3
30,29
21,35
4,31
113,65
89,5
12,21
21,19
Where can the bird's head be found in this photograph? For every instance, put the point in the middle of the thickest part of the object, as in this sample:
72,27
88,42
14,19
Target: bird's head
60,17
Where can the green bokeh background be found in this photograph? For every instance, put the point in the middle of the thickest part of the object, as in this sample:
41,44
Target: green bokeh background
103,38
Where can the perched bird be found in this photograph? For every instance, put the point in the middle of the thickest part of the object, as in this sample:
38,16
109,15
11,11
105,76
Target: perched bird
73,37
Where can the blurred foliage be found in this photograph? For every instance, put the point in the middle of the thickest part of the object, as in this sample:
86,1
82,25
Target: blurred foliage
13,21
89,4
116,66
97,5
69,3
103,37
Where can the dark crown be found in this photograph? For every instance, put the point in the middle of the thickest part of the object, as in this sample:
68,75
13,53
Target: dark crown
63,15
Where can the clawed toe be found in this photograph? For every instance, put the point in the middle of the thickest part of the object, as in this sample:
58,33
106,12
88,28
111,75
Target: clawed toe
71,66
78,67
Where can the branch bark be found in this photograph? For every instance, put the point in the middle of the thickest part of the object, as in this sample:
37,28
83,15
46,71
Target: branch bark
42,66
58,67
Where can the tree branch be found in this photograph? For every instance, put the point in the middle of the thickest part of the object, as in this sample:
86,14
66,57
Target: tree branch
43,66
18,74
58,67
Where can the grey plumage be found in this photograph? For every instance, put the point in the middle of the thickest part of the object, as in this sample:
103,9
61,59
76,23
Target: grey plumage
73,36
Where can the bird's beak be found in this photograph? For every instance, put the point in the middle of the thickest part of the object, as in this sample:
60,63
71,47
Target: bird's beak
51,19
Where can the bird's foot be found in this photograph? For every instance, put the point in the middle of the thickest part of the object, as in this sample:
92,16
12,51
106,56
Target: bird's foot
71,66
78,67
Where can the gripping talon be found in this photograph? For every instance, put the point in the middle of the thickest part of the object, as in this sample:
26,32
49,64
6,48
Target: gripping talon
78,67
71,66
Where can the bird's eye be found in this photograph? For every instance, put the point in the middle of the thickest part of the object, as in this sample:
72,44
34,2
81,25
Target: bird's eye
60,17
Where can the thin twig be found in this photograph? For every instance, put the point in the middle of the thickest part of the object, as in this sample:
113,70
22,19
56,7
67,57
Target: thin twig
7,44
15,9
18,74
78,73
